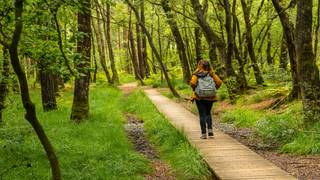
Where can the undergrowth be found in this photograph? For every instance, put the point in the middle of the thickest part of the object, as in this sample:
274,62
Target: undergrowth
173,145
94,149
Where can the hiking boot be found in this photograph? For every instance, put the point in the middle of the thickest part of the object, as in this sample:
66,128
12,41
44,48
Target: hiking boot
210,133
203,136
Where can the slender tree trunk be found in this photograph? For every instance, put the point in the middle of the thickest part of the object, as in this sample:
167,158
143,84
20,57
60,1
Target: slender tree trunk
139,47
95,64
257,73
4,80
158,57
317,31
283,53
115,77
101,47
308,70
212,38
47,82
134,57
269,45
242,80
31,115
80,107
179,41
198,43
144,42
288,29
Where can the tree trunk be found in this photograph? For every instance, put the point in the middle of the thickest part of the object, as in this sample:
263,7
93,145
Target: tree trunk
269,45
115,77
47,82
4,80
308,70
242,80
212,38
283,53
95,64
179,41
31,115
288,29
198,44
134,57
252,55
80,107
139,50
144,42
157,55
101,46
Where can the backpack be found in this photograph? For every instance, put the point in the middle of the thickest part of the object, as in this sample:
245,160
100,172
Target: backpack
206,86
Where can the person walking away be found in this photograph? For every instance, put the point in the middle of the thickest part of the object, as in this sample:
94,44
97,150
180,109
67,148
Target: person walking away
205,83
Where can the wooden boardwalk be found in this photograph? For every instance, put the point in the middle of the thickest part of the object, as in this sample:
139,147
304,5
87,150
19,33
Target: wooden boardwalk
228,158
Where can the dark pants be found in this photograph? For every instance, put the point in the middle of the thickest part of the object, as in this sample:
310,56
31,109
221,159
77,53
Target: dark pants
204,108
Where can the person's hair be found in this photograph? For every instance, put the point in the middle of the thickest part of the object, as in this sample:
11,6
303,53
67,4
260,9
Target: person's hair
203,65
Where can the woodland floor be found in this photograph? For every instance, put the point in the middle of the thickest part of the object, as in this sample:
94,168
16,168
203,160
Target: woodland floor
136,134
301,166
135,131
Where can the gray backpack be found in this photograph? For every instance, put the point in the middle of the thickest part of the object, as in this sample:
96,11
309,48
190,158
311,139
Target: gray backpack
206,86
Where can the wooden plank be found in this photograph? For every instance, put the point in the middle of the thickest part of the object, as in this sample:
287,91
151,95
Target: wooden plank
228,158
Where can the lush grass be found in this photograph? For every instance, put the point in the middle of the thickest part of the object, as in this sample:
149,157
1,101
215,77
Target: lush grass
242,117
95,149
173,145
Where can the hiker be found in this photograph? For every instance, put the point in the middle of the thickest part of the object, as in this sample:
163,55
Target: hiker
204,83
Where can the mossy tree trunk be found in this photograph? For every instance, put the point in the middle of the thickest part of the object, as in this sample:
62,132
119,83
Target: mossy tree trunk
283,53
288,29
5,72
308,70
80,106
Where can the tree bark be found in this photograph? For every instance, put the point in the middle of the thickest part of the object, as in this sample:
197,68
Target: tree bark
283,53
80,107
47,82
157,55
198,43
4,80
101,46
257,73
139,48
95,64
269,45
308,70
241,77
214,41
134,56
115,76
179,41
31,115
288,29
144,42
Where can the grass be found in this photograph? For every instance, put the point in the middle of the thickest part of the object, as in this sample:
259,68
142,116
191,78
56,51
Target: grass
95,149
173,145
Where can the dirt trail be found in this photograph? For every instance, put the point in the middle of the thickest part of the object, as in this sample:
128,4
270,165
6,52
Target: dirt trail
136,134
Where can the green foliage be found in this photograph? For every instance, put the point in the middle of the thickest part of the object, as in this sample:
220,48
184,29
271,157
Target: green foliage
242,117
306,142
95,149
173,145
222,93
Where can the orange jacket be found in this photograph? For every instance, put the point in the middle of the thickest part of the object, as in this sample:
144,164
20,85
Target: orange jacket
194,82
